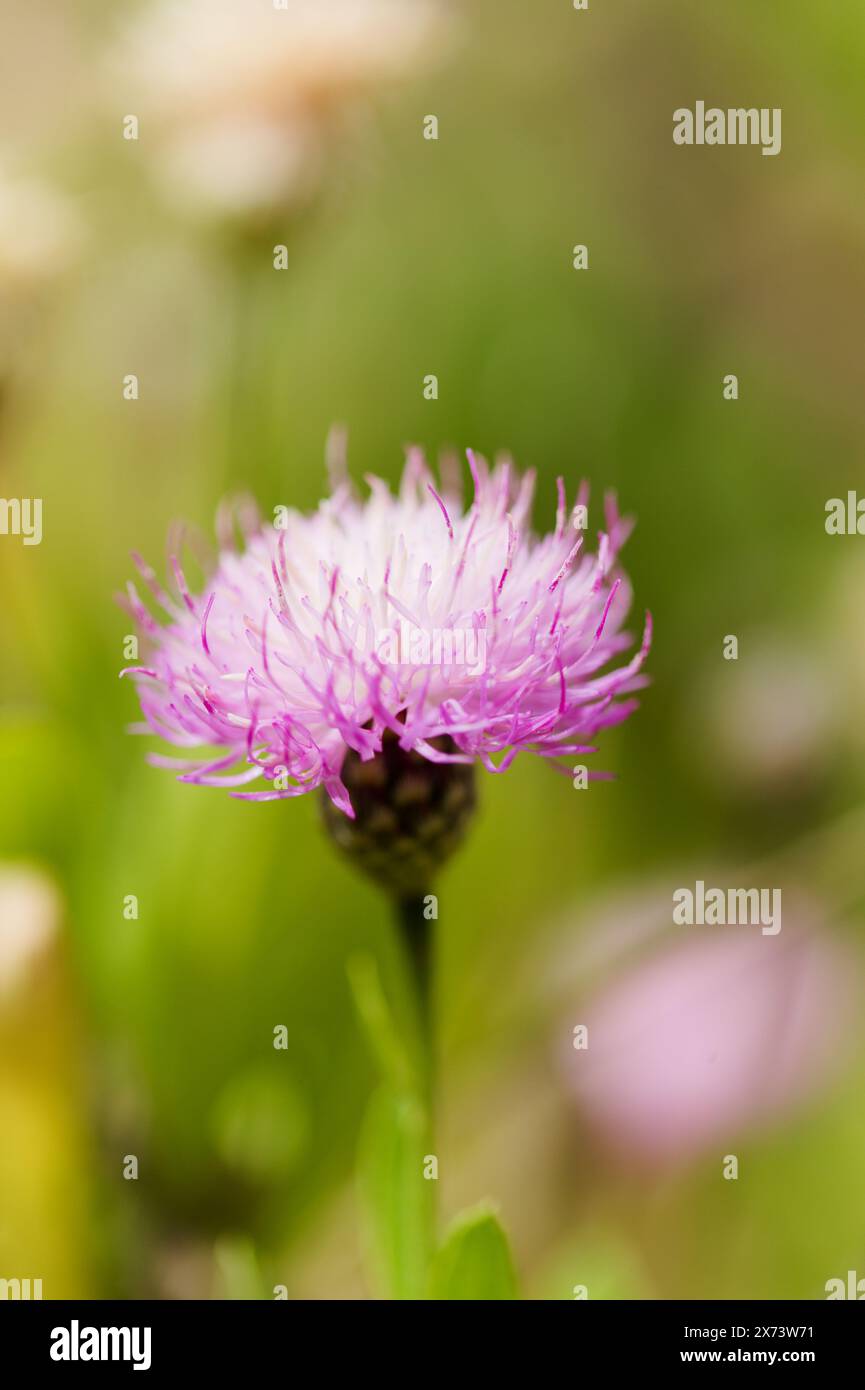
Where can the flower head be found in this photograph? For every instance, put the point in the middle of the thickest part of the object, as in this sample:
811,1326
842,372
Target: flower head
451,628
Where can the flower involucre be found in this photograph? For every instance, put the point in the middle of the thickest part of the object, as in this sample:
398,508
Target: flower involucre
410,613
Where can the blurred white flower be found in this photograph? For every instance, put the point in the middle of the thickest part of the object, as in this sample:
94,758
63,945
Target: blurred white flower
29,921
768,720
234,165
238,92
40,234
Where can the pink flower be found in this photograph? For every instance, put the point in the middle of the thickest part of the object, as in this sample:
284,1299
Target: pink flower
409,613
708,1037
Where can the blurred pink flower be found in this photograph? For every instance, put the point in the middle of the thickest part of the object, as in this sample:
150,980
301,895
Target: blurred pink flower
711,1036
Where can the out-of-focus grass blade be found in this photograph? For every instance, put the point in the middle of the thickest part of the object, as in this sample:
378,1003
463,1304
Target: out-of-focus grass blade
398,1201
238,1269
380,1027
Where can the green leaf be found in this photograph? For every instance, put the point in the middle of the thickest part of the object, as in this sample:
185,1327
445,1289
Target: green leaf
398,1201
475,1260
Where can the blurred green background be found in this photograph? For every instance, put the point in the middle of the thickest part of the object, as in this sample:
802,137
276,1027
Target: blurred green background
154,1037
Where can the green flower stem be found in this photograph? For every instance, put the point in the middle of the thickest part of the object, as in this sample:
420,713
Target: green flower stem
417,935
